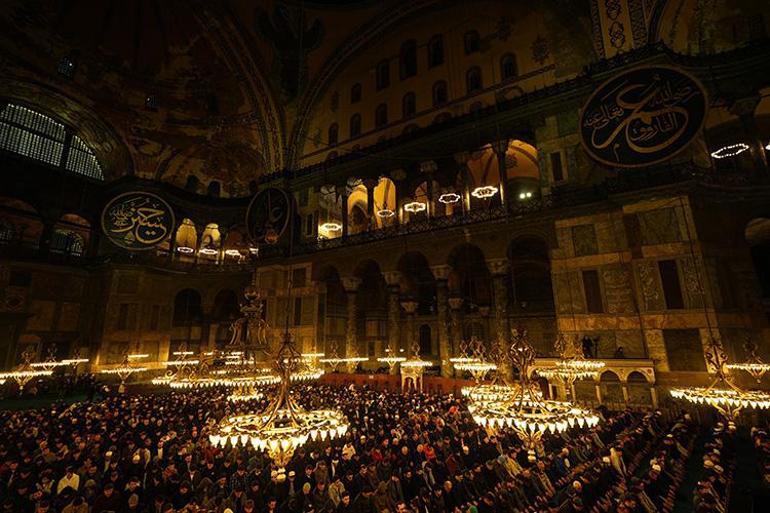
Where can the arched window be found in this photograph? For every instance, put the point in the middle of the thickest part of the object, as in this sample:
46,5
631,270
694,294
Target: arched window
214,189
508,67
473,80
383,74
39,137
335,101
355,93
408,105
187,308
381,115
192,183
471,42
334,132
67,242
355,125
408,59
439,93
436,51
7,232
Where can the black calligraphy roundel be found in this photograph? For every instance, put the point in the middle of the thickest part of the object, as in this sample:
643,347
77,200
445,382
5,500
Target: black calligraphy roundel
268,215
137,220
643,116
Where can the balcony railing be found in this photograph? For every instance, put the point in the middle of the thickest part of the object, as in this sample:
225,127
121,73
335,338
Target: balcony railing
617,182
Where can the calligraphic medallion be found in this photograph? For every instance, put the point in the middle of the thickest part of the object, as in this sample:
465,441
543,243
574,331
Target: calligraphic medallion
268,215
643,116
137,220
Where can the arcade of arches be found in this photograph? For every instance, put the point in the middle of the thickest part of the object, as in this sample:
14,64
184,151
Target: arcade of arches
438,184
388,178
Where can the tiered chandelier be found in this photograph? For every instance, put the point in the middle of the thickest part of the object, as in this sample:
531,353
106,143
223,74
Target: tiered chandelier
496,391
126,368
284,425
526,412
473,360
25,372
753,364
572,366
391,358
725,396
334,360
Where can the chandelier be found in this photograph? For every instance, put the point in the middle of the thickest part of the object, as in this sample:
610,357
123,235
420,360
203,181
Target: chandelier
50,363
334,360
722,394
24,373
391,358
484,192
284,425
730,150
126,369
572,366
415,207
753,364
385,212
449,198
525,411
473,361
331,226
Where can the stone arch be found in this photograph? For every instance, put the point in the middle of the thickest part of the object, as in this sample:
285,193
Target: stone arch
71,234
469,277
417,281
21,223
371,307
188,308
106,143
531,289
333,311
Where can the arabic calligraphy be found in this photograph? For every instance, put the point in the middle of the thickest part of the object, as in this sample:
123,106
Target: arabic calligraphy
268,215
643,116
137,220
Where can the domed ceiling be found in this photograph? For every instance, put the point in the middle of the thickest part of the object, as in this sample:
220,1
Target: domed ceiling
223,90
172,77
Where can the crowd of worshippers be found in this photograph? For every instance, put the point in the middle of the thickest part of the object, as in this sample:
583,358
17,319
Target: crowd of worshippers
415,453
712,492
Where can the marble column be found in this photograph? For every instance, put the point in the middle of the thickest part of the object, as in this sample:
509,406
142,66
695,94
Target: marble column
462,159
371,184
427,169
442,317
392,279
351,283
455,331
499,270
344,192
410,307
501,148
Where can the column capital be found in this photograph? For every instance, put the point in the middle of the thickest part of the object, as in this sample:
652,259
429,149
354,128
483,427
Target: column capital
500,146
441,272
498,266
429,166
462,157
370,183
392,278
455,303
350,283
409,306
